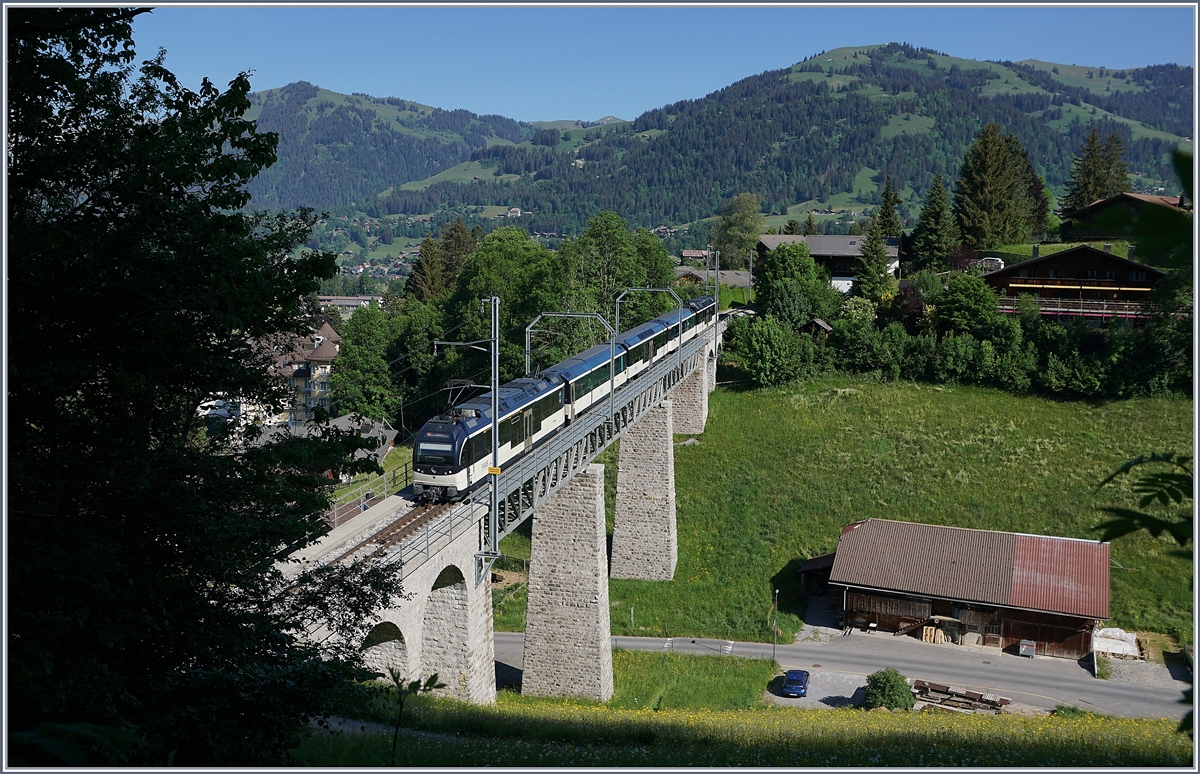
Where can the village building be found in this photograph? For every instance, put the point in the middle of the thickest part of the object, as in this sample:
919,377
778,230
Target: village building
345,305
970,586
837,254
1078,282
1089,223
730,278
307,367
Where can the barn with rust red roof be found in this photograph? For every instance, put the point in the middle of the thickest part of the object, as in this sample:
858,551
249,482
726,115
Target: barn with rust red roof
973,586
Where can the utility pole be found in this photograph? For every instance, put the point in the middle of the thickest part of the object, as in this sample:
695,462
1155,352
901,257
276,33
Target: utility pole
492,550
775,626
491,547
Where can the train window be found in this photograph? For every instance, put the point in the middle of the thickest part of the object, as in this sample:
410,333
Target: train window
481,446
435,453
516,431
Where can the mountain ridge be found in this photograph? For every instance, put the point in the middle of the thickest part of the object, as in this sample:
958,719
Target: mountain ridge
808,132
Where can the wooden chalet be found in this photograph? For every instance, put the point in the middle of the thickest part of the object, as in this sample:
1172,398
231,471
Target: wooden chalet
1089,222
1079,282
972,586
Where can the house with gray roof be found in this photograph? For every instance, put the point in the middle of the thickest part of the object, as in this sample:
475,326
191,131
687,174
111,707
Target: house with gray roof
838,254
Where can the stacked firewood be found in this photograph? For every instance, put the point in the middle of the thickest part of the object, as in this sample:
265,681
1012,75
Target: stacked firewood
950,698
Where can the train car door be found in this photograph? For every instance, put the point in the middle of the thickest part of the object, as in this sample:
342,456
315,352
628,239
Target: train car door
528,428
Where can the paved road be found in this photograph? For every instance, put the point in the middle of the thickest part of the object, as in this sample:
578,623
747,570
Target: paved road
1039,682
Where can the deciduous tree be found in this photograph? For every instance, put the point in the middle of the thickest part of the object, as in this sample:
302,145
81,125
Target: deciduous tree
737,230
143,588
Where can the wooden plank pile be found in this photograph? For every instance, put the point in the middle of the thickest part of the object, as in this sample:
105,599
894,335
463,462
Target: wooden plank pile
952,699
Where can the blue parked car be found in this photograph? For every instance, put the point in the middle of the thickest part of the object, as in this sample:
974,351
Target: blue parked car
795,683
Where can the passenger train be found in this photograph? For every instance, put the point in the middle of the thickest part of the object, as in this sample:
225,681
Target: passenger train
453,451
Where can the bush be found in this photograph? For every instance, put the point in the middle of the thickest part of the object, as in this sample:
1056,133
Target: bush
888,688
773,353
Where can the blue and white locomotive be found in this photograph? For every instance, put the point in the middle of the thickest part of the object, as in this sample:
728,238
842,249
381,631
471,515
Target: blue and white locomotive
453,451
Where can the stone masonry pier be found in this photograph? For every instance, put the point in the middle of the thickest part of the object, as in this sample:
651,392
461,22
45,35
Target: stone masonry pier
644,539
568,649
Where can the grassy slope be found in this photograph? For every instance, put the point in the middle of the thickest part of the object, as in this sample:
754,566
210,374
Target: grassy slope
778,473
673,710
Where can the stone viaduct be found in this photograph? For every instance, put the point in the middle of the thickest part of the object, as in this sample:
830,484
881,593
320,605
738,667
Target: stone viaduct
445,625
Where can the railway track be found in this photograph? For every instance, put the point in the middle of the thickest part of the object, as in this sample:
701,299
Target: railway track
394,533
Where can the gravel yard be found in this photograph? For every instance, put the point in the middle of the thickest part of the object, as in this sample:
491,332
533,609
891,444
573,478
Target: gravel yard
1147,673
826,690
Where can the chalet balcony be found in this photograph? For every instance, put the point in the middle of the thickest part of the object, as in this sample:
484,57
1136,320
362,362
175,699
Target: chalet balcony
1080,307
1027,284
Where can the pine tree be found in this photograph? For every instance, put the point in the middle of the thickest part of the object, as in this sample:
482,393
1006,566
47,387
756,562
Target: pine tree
428,278
456,242
873,281
1117,173
810,226
936,234
1098,172
792,227
889,219
991,202
1037,198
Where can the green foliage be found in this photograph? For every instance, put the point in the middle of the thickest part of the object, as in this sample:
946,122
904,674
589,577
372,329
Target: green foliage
737,230
810,226
778,474
793,226
525,732
1097,172
403,691
888,688
679,163
144,594
936,234
1166,488
873,281
791,288
360,382
992,203
967,304
772,353
428,280
889,219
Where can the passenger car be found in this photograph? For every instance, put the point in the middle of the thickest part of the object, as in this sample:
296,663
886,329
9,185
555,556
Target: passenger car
795,683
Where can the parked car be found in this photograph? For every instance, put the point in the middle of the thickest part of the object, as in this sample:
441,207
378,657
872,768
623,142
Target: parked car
795,683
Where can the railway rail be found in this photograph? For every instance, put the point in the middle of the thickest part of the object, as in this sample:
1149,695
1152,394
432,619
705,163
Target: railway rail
391,535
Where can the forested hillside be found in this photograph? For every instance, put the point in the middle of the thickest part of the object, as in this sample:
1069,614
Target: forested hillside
795,135
335,149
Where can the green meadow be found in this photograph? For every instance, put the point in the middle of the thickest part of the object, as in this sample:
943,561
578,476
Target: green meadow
678,710
778,473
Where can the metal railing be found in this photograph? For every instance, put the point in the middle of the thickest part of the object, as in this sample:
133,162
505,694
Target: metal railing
358,499
528,482
462,517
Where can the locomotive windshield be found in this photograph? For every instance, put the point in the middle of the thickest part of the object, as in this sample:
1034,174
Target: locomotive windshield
435,453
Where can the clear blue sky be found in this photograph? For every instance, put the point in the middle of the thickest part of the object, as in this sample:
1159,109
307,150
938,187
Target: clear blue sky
537,64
